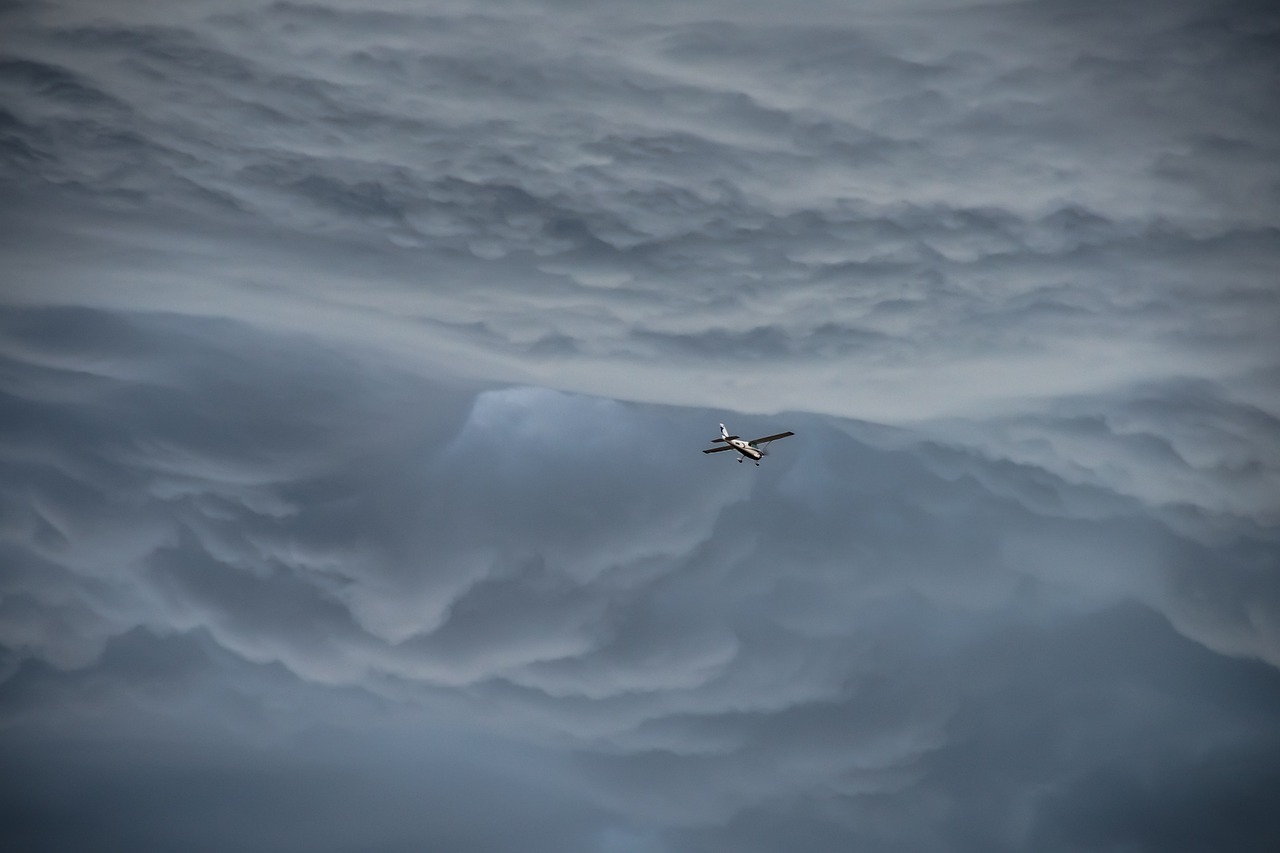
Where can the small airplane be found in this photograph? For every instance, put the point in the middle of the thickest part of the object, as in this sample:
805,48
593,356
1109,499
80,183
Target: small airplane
753,449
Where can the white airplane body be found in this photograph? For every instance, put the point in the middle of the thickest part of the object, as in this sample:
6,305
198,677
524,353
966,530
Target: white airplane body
753,449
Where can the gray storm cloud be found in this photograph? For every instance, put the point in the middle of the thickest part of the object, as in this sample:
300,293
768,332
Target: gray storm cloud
917,228
354,361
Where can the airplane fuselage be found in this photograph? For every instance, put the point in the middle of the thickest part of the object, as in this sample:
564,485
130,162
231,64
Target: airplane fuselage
752,453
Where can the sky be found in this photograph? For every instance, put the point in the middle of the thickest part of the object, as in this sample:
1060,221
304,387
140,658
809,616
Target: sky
356,357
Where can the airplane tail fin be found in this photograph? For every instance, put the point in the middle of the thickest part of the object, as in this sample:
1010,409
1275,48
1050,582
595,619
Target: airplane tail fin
724,433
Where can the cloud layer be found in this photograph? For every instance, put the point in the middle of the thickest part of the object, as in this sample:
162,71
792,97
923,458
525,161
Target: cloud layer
354,362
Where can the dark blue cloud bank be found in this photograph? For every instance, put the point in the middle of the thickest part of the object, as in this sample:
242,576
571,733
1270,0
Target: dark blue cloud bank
355,359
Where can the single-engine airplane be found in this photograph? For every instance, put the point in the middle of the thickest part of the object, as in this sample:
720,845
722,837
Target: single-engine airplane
753,449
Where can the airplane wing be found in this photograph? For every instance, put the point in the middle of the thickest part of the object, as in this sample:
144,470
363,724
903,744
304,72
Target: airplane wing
718,449
770,438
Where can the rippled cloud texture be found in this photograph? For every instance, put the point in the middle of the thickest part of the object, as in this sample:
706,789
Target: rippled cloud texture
356,357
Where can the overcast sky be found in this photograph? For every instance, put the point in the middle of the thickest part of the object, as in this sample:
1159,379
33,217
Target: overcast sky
356,357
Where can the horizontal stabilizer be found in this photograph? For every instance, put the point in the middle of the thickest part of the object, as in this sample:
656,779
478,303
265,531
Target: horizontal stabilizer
726,438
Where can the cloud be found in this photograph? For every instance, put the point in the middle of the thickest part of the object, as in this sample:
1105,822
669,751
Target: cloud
354,361
704,645
622,174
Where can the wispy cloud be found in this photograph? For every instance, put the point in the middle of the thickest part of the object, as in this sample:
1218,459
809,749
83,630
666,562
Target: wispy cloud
354,361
